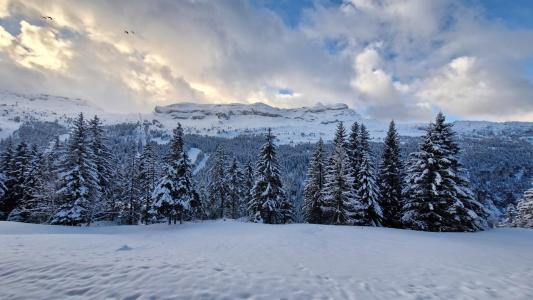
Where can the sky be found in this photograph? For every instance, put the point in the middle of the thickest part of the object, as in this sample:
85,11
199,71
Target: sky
400,59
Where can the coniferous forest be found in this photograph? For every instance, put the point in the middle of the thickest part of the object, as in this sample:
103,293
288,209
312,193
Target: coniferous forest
94,175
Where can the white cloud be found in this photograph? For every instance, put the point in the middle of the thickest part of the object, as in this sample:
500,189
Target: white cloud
398,59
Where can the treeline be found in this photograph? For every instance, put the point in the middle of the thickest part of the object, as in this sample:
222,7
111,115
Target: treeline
88,178
428,192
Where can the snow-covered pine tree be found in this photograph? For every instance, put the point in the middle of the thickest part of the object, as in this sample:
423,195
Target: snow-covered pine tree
339,197
103,161
147,180
437,197
369,212
34,206
77,178
218,184
390,179
268,203
473,215
175,190
314,187
524,216
511,215
130,209
235,189
19,192
354,152
7,168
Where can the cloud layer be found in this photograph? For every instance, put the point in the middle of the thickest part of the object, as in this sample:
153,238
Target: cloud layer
401,59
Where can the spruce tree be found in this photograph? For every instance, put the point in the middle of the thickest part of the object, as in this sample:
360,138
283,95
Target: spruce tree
15,168
147,180
7,169
390,179
437,196
77,179
354,152
103,162
339,197
33,206
524,216
268,203
369,212
314,187
175,190
130,206
218,183
235,189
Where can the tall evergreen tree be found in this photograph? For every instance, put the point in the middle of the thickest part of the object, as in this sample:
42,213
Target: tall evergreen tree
33,207
314,187
524,216
175,190
18,192
235,189
9,200
103,162
339,197
354,152
130,207
77,179
369,212
438,197
268,203
147,180
218,184
390,179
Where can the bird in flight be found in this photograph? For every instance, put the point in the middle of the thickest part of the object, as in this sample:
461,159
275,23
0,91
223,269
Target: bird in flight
129,32
47,18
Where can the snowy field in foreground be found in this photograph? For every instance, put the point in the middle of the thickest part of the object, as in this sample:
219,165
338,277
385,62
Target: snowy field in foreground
234,260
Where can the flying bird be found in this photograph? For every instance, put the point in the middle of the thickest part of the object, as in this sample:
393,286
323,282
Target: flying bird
129,32
47,18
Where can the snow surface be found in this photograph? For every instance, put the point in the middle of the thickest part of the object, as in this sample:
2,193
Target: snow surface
232,260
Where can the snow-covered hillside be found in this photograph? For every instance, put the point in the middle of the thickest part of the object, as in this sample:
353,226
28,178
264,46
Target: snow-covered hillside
228,120
232,260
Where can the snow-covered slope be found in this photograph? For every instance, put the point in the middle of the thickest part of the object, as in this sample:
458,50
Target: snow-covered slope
228,120
232,260
16,108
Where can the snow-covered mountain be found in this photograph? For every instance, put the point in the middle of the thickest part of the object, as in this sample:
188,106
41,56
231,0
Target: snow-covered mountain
292,125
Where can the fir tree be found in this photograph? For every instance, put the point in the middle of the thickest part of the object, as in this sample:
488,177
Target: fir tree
9,200
369,211
390,179
354,152
175,190
147,180
339,204
438,197
235,189
77,179
33,206
218,185
268,203
130,210
524,216
314,187
103,162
